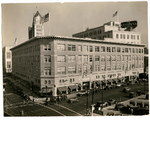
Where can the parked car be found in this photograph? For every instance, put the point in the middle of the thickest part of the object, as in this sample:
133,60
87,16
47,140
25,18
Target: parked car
108,87
82,93
121,106
110,114
100,104
147,96
111,101
139,92
126,89
132,94
72,100
118,85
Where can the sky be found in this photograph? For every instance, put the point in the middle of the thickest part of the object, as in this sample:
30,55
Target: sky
69,18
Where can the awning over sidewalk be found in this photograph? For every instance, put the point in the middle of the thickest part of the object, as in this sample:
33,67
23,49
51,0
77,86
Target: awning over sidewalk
64,88
48,90
71,87
109,80
114,80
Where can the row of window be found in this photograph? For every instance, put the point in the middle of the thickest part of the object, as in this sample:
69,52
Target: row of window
124,36
72,58
47,81
71,80
85,48
26,50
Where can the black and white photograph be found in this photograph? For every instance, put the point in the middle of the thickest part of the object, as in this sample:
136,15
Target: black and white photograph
75,60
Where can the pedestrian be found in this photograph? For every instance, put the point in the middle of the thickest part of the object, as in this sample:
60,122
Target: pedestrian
33,100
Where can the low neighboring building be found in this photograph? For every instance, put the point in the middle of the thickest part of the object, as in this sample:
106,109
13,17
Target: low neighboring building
60,64
7,59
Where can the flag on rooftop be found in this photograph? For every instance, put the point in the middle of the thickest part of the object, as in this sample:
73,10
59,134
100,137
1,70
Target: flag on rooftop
115,14
15,41
45,18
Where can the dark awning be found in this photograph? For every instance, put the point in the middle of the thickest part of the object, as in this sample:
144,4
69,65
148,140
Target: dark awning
72,87
104,81
109,80
64,88
48,90
115,80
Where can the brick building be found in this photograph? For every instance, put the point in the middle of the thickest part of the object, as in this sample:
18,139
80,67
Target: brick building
57,63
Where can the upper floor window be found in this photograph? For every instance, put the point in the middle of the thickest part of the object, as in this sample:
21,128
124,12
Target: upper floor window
118,49
122,49
47,71
124,36
91,57
79,48
108,49
46,47
47,58
8,55
61,58
126,50
120,36
102,49
133,51
138,37
96,48
113,58
79,59
91,49
118,58
127,36
71,47
61,47
139,50
108,58
97,68
136,50
85,48
85,58
61,70
102,58
117,36
71,58
113,49
71,70
97,58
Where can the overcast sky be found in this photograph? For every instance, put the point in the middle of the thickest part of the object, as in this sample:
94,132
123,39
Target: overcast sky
69,18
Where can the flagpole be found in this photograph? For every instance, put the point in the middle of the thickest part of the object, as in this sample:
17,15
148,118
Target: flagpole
49,23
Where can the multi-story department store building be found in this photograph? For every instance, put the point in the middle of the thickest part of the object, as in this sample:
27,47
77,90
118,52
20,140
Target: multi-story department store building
61,63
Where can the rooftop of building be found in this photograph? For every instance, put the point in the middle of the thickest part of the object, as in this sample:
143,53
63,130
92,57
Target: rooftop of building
55,37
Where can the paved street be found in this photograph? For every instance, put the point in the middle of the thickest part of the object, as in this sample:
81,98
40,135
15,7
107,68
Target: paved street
15,103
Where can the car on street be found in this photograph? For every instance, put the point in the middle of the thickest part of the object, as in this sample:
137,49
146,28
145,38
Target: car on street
147,96
100,104
132,94
121,106
72,100
126,89
82,93
110,114
118,85
139,92
111,101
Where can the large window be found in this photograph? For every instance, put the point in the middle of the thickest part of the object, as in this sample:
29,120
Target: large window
118,67
71,70
122,49
80,69
61,47
71,58
136,50
85,48
85,58
91,49
113,67
71,47
79,48
108,67
102,49
108,58
8,55
79,59
108,49
61,58
113,58
47,71
117,36
46,47
113,49
97,68
91,58
8,64
126,50
133,50
102,58
47,58
102,67
129,57
96,48
97,58
118,49
61,70
118,58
